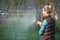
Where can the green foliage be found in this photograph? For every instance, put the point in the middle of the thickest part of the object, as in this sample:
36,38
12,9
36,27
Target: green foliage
57,26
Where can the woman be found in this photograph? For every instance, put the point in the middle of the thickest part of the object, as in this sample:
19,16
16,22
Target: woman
47,30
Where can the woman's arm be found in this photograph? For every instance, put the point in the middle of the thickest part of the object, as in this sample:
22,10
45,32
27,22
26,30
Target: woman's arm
43,26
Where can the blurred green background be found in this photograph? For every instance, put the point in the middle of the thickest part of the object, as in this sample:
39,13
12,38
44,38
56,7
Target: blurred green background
17,19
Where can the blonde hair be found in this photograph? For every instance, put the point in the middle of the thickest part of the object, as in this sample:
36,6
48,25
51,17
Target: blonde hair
48,8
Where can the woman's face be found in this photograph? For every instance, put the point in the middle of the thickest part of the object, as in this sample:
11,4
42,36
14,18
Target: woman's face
45,11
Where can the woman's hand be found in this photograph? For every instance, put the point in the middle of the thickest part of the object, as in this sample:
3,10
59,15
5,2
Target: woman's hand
38,23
